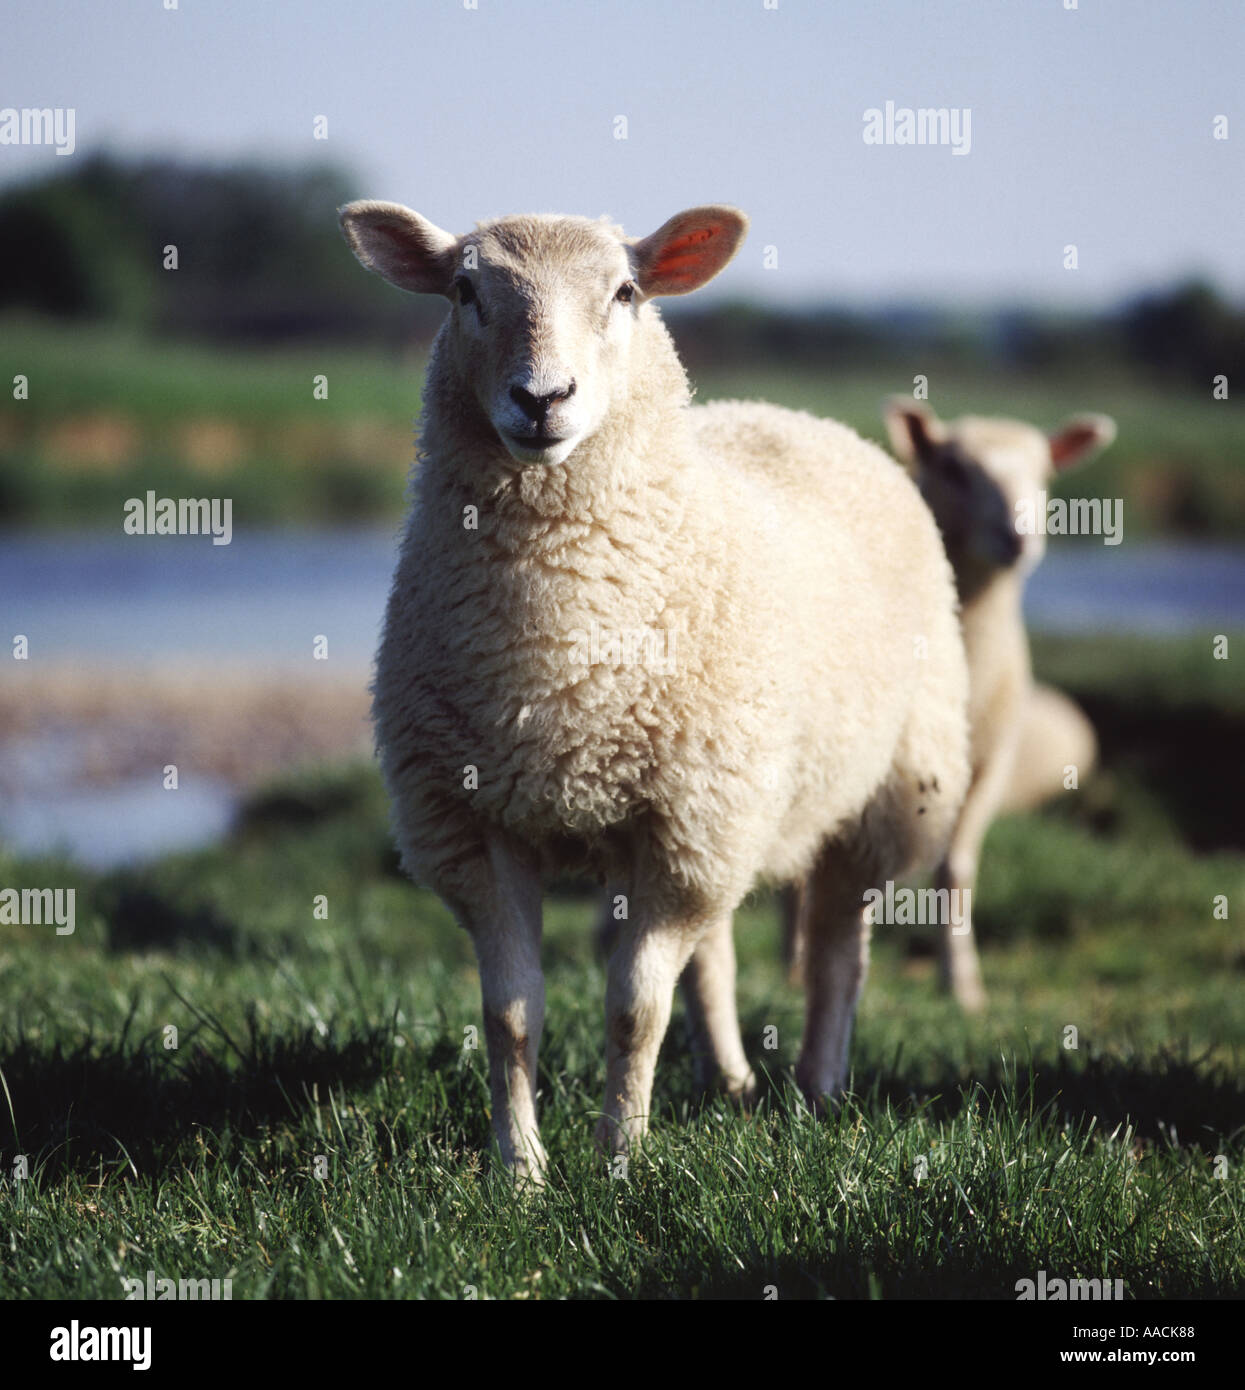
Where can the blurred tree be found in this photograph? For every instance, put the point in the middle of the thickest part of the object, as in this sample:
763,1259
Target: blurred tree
259,253
260,259
1188,331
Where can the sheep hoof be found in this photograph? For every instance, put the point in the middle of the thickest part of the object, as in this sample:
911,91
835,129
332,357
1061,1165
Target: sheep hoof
970,996
528,1176
822,1098
528,1179
711,1080
742,1093
617,1138
965,988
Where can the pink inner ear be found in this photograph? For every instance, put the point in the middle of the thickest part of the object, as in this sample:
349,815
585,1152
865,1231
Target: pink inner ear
1068,446
682,255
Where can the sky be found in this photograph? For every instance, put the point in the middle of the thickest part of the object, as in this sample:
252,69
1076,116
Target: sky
1090,126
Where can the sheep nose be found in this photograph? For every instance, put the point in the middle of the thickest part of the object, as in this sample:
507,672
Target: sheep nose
537,407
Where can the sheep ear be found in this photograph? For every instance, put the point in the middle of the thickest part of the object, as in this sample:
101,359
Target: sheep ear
1079,439
400,245
688,251
915,433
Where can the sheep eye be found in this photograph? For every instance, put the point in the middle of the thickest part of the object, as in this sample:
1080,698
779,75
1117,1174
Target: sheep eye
466,290
626,292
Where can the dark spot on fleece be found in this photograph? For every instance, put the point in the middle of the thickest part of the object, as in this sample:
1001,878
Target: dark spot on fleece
622,1030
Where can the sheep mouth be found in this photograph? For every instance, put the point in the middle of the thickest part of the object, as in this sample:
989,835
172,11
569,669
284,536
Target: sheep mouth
532,448
538,441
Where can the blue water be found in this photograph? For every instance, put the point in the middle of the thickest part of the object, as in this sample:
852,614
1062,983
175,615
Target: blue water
264,598
124,823
261,600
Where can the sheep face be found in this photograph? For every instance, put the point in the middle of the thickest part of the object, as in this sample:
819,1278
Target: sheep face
541,330
544,308
979,475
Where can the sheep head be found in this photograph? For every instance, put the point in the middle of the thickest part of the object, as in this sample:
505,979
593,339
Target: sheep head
544,308
977,474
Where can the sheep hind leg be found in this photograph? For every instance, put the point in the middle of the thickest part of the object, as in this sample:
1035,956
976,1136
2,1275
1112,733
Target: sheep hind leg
708,985
611,917
788,899
836,961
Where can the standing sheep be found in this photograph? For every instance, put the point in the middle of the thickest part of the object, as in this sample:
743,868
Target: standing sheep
974,473
680,658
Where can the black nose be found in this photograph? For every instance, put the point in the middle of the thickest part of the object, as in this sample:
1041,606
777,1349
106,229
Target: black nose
537,407
1011,546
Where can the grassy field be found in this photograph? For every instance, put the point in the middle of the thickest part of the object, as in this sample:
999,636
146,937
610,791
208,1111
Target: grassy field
320,1128
110,415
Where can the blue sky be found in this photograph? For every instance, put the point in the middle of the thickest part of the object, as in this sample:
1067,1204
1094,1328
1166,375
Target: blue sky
1090,126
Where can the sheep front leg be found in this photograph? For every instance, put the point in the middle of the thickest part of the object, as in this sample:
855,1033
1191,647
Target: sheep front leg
959,968
708,985
506,935
639,997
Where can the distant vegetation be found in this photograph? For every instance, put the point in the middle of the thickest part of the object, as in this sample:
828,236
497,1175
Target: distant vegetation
260,259
142,376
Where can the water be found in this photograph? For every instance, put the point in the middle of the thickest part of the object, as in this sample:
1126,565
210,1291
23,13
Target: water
262,599
1154,590
265,597
126,822
261,602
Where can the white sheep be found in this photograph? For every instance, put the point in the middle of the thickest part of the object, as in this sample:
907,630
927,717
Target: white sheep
977,476
680,657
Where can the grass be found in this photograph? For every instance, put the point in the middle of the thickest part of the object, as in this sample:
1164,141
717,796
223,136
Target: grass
110,415
972,1154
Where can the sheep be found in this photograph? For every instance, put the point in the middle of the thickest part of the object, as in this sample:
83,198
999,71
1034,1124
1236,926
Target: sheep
975,474
1054,734
1024,735
680,656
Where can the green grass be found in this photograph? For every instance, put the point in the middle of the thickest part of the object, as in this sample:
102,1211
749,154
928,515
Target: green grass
1176,463
87,367
972,1154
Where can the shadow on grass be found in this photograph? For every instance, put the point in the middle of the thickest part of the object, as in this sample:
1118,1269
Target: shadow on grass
1191,757
138,918
958,1274
131,1101
1171,1099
